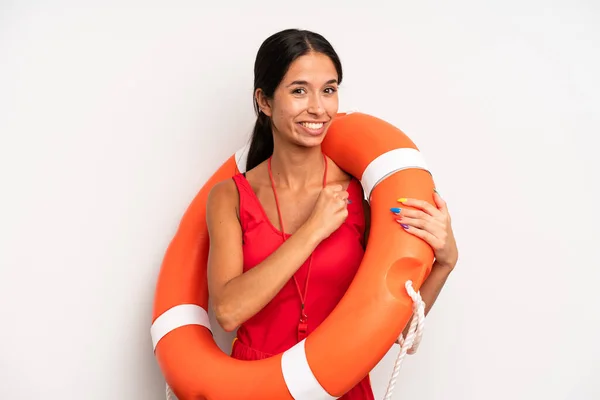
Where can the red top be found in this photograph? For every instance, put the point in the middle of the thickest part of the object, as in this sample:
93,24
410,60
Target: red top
332,266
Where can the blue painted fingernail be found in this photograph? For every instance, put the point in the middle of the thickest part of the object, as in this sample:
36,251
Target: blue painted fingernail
395,210
404,226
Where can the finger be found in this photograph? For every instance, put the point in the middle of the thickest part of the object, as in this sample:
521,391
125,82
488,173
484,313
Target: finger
439,220
422,234
439,202
430,225
421,204
345,213
412,213
341,202
343,195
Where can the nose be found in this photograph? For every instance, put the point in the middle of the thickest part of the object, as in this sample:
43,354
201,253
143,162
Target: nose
315,105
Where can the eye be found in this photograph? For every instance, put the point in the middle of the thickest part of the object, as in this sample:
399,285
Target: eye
299,91
330,90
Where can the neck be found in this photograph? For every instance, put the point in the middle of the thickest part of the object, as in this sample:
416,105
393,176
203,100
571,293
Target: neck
298,167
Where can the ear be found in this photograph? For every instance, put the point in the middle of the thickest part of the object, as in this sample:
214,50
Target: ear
263,103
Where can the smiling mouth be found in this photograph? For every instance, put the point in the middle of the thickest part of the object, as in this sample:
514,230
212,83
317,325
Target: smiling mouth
312,125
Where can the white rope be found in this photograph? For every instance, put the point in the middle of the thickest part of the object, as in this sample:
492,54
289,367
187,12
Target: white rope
413,337
169,393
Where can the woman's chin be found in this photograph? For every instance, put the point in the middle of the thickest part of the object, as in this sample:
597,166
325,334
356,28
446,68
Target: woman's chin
309,142
305,140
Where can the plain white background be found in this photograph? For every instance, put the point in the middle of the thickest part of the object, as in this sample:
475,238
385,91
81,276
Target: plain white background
112,116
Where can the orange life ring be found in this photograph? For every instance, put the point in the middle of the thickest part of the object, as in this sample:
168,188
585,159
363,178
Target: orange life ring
363,326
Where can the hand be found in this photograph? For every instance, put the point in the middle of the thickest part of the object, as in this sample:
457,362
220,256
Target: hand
330,212
432,224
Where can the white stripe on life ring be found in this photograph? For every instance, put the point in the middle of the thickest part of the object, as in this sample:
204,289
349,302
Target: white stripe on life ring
298,376
388,163
178,316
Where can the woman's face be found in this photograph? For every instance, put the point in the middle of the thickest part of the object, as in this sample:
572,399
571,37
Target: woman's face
305,102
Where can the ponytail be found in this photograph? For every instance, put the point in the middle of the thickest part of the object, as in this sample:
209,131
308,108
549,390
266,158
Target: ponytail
261,144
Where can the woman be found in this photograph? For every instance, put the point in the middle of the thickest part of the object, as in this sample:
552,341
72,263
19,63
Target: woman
288,236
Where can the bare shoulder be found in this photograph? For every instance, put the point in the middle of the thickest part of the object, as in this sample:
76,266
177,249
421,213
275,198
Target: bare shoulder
223,191
337,175
258,176
222,198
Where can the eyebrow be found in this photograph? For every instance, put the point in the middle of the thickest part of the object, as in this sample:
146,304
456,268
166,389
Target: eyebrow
329,82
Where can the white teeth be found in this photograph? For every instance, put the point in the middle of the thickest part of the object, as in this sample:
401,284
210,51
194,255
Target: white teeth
312,125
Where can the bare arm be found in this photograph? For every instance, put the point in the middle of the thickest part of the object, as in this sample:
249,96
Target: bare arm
238,296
